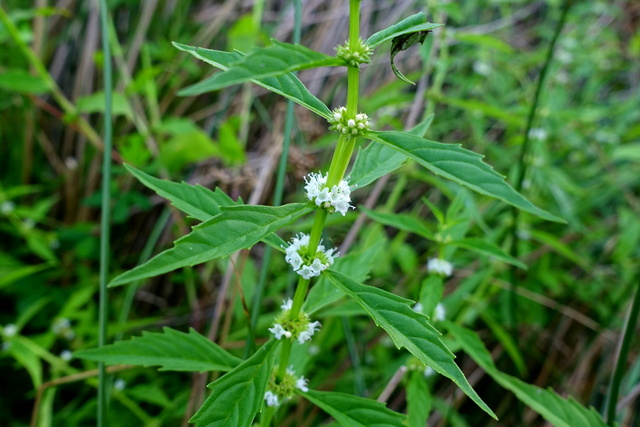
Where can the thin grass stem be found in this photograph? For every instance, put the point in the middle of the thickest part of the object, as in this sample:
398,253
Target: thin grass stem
105,218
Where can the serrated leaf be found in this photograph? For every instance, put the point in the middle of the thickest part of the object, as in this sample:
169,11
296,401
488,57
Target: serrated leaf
354,411
400,221
418,400
401,43
487,248
459,165
373,162
377,160
170,349
271,61
409,25
557,410
237,396
407,329
194,200
286,85
235,228
355,265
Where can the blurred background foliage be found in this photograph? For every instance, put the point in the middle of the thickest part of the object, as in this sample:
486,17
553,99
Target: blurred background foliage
478,75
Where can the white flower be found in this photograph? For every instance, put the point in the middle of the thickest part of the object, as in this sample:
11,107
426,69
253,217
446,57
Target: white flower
278,331
439,313
306,335
304,265
60,325
537,134
119,384
337,198
355,125
428,371
301,384
7,207
314,350
287,304
418,308
482,68
9,330
439,266
271,398
6,346
66,355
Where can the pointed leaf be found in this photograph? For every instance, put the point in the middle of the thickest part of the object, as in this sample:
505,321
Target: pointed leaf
409,25
459,165
487,248
400,221
195,200
286,85
271,61
237,396
354,411
407,329
557,410
377,160
170,349
235,228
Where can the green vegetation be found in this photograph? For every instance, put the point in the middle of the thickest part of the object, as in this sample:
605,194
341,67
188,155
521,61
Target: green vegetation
486,217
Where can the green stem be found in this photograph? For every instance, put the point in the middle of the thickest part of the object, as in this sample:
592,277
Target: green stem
512,308
627,338
105,215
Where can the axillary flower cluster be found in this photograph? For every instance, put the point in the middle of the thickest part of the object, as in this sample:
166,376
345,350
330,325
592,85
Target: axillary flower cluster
308,259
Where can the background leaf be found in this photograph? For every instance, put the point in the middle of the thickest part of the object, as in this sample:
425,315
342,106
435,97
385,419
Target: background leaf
418,400
401,222
286,85
235,228
170,349
354,411
486,247
557,410
407,329
459,165
237,396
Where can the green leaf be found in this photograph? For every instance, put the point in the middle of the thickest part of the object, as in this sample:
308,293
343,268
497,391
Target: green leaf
407,329
377,160
400,221
354,411
418,400
373,162
286,85
237,396
487,248
235,228
170,349
404,42
557,410
23,82
409,25
268,67
194,200
356,265
459,165
95,103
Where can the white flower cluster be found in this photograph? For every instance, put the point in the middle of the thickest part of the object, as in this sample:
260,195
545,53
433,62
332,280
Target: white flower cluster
356,55
336,198
440,266
439,313
305,265
357,125
9,330
301,329
285,391
62,328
